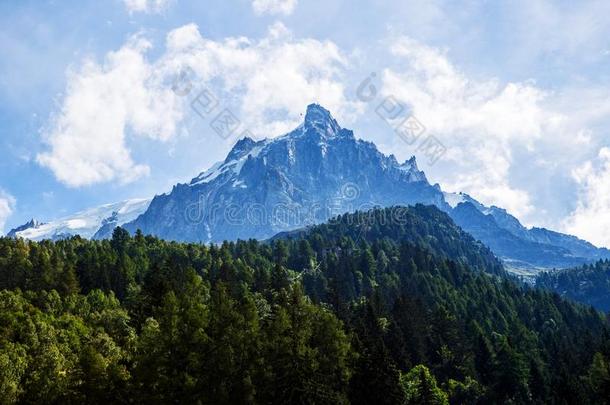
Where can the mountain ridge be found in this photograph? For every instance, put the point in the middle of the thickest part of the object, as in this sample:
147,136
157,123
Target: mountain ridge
304,177
319,171
92,223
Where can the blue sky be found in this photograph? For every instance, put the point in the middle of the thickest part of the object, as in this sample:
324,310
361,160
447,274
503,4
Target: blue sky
516,90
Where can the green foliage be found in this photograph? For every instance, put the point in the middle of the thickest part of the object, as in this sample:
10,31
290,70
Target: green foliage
420,387
468,392
599,376
589,284
360,310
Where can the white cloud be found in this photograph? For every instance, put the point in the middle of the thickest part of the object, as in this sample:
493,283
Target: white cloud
147,6
285,7
7,207
482,122
561,29
266,82
591,218
87,138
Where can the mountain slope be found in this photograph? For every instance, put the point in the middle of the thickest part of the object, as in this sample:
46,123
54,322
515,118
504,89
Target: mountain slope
321,170
517,252
589,284
13,233
424,226
93,223
522,249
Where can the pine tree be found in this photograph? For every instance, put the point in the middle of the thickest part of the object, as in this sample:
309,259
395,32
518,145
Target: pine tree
420,388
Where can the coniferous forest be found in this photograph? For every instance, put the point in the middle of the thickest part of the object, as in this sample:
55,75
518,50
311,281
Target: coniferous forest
360,310
589,283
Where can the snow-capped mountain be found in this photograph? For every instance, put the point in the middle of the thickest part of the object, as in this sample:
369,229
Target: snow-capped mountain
320,170
32,224
307,176
523,250
94,223
315,172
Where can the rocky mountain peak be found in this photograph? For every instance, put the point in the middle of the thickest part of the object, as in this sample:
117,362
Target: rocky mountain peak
410,164
319,170
319,118
241,148
31,224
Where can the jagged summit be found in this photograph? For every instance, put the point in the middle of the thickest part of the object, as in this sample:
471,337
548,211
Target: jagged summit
318,117
241,148
317,113
315,172
308,144
412,161
410,164
31,224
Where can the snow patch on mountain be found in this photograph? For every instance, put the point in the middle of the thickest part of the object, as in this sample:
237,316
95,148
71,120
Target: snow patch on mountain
453,199
85,223
232,167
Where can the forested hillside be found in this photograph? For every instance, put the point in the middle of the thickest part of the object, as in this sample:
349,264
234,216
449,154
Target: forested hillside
589,284
360,310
